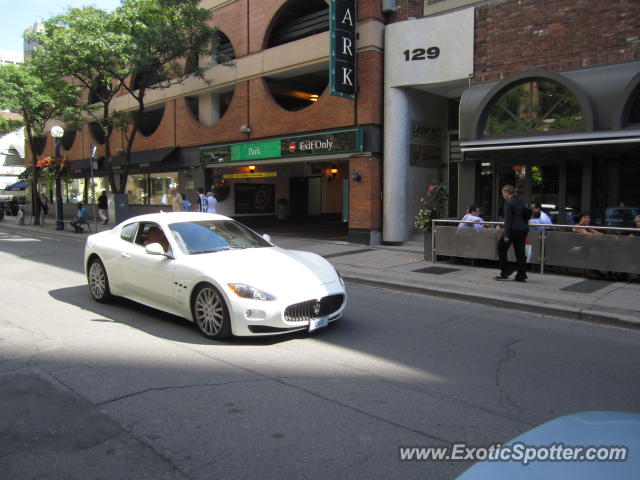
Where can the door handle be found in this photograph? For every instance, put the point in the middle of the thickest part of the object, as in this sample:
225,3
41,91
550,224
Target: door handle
125,255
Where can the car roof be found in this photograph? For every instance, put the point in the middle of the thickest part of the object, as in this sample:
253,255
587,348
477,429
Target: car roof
166,218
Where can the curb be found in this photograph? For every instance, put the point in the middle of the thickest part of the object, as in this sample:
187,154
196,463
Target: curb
572,313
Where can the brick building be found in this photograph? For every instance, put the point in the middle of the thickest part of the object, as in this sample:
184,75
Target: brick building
544,95
267,130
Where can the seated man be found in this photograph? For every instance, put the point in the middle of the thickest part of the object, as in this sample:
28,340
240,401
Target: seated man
155,235
81,218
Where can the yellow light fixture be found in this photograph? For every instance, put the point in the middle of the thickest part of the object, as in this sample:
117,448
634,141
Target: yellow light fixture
252,168
313,97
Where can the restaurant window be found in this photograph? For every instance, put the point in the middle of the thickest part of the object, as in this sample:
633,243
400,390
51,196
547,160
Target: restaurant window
534,107
73,190
161,185
137,190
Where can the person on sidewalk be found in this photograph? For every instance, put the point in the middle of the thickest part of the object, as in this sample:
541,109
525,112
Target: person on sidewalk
44,207
81,218
203,205
516,228
176,200
186,204
103,207
212,203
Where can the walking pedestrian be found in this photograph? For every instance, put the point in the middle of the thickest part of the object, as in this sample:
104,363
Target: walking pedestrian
103,207
516,228
203,204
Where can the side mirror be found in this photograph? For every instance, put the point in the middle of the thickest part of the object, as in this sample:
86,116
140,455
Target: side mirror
267,237
154,249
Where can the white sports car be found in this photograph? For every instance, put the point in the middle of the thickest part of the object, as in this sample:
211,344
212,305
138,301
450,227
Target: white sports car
216,272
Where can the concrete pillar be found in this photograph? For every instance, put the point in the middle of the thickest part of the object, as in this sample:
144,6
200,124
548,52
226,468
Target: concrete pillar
209,108
397,131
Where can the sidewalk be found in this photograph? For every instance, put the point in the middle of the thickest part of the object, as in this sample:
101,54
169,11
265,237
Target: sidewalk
404,269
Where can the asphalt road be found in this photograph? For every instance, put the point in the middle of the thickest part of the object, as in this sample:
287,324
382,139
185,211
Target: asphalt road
90,391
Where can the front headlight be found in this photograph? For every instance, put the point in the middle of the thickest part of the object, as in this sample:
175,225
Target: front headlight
247,291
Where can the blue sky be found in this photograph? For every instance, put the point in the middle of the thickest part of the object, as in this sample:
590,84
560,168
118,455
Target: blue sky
17,15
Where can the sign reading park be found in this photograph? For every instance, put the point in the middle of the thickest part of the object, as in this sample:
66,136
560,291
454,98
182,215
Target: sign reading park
327,143
342,51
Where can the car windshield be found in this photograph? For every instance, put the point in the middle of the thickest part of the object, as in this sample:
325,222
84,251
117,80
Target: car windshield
214,235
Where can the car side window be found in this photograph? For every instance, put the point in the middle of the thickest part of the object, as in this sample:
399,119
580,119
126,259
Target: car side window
128,232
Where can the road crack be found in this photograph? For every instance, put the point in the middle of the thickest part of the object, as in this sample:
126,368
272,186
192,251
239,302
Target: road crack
504,397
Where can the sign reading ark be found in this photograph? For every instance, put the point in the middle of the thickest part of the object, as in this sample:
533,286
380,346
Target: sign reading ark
342,57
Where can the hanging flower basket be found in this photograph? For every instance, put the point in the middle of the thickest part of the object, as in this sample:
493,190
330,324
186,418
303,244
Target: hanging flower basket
51,168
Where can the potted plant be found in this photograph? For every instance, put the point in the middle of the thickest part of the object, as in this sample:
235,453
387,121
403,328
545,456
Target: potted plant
432,204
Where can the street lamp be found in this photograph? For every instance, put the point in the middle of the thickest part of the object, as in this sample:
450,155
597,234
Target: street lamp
57,132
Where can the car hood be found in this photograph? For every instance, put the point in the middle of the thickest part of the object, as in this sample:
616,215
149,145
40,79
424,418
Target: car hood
266,268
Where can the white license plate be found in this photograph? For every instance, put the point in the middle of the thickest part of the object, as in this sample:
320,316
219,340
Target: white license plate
317,323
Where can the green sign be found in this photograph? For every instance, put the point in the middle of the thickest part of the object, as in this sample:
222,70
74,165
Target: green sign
254,151
327,143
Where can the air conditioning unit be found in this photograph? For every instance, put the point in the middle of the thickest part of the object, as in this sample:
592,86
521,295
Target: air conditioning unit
388,6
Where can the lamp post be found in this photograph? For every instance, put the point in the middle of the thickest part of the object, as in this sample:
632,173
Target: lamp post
57,132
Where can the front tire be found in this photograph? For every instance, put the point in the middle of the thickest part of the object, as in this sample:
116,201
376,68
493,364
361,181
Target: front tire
98,281
210,312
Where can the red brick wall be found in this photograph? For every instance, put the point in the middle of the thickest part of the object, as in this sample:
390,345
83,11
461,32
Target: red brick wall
365,204
370,87
554,35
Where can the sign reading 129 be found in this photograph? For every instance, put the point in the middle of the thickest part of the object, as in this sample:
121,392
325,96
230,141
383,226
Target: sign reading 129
421,54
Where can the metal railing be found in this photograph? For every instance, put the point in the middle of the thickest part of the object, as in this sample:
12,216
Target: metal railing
552,245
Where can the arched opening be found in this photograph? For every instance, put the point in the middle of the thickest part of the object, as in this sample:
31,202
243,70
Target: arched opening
295,91
298,19
533,107
224,50
151,75
41,143
210,107
151,119
68,138
100,92
97,132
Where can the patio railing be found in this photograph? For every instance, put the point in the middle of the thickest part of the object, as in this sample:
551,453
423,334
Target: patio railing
555,245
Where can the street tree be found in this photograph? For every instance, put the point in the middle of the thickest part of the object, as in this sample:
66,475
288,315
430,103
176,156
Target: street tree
39,98
83,46
142,46
8,125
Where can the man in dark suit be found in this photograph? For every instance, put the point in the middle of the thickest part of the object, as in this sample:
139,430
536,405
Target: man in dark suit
516,228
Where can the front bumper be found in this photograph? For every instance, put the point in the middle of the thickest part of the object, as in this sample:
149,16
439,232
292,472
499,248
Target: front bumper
256,318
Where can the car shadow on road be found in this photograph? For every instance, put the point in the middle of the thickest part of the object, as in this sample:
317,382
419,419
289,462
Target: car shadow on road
152,321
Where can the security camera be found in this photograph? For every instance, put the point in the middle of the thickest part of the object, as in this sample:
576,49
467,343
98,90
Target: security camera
245,129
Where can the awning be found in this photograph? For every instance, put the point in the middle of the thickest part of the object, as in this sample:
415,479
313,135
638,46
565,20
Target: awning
605,141
145,158
19,185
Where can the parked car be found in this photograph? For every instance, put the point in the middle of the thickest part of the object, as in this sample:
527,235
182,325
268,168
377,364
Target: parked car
216,272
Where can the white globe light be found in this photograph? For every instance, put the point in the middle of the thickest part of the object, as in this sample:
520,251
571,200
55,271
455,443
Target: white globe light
57,131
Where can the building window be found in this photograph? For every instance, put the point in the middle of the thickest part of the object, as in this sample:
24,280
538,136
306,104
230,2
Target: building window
160,187
137,190
534,107
151,119
73,190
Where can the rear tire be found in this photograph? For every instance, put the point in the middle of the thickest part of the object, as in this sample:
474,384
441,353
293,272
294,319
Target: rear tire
210,312
98,281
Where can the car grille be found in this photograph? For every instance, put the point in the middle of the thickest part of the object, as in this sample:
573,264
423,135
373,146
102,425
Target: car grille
305,311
